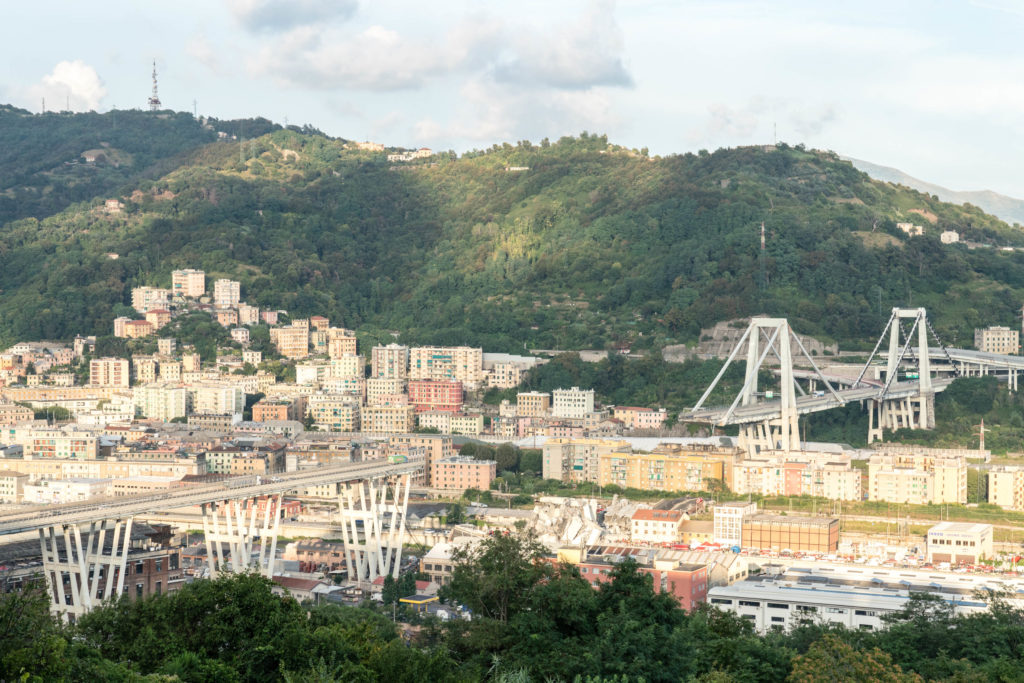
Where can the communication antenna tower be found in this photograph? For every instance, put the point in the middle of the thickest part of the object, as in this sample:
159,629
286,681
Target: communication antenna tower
154,99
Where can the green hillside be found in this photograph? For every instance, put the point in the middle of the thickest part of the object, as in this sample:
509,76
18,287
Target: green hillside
591,245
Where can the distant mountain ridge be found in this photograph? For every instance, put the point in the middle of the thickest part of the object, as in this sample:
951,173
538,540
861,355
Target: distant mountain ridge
1010,209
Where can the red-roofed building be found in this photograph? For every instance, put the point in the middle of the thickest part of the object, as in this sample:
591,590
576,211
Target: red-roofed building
657,526
134,329
158,317
640,418
298,588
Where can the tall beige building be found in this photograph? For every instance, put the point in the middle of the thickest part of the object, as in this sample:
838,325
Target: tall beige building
147,298
391,419
291,341
997,340
109,372
917,475
348,366
188,282
533,404
341,342
334,412
1006,486
577,459
161,401
226,293
379,387
460,363
390,362
573,402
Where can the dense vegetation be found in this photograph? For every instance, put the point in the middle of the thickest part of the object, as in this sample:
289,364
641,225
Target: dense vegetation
531,622
593,245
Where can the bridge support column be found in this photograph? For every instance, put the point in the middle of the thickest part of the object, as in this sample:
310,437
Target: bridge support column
240,529
82,574
914,412
370,549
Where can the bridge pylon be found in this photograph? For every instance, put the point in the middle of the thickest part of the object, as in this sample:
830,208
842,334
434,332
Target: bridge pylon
86,570
913,412
371,550
236,524
777,433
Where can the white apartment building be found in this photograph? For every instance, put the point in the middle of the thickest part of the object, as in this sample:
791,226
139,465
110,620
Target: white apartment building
12,486
58,491
573,402
161,401
334,412
216,399
828,475
188,282
461,363
390,362
379,387
451,423
226,293
997,340
348,365
147,298
311,373
728,521
656,526
577,459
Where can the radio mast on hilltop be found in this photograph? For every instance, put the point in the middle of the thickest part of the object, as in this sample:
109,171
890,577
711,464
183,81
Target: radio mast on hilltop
154,99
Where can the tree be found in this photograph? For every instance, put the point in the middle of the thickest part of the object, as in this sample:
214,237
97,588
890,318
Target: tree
493,578
831,660
456,514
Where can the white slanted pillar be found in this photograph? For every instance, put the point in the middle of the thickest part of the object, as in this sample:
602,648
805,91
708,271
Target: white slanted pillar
237,524
370,550
782,432
78,566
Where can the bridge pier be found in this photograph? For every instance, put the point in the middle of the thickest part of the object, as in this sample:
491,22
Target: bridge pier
376,551
240,529
912,412
74,575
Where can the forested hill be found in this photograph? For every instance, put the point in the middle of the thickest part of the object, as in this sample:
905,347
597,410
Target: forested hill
571,244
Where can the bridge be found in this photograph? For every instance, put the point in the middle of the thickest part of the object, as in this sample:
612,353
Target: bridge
85,545
774,424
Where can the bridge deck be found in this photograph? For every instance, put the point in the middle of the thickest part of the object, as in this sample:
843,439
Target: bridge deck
236,487
759,412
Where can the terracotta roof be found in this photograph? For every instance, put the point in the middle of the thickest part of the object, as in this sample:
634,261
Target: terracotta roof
657,515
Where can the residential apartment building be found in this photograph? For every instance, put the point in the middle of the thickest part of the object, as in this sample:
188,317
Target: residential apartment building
161,401
379,387
434,447
728,521
917,475
137,329
348,365
216,398
341,342
770,473
451,423
656,526
390,419
291,342
1006,486
670,467
504,376
12,486
577,460
240,335
461,472
12,413
997,340
158,317
147,298
60,491
248,315
640,418
334,412
271,409
188,282
109,372
427,395
226,317
144,369
459,363
573,402
533,404
226,293
390,362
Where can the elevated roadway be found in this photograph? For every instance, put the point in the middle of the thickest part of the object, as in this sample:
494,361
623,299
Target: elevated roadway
235,488
769,410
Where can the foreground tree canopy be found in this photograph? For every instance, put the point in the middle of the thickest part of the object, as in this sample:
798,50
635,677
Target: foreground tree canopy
532,621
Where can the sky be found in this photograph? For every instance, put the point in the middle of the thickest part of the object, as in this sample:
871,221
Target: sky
934,88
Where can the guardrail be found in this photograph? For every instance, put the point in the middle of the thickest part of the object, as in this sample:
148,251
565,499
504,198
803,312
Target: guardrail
251,485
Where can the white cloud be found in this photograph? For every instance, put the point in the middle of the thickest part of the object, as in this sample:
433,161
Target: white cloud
70,84
375,59
282,15
201,50
585,54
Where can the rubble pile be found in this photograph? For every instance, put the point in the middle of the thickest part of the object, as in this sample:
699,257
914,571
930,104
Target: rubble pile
560,522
